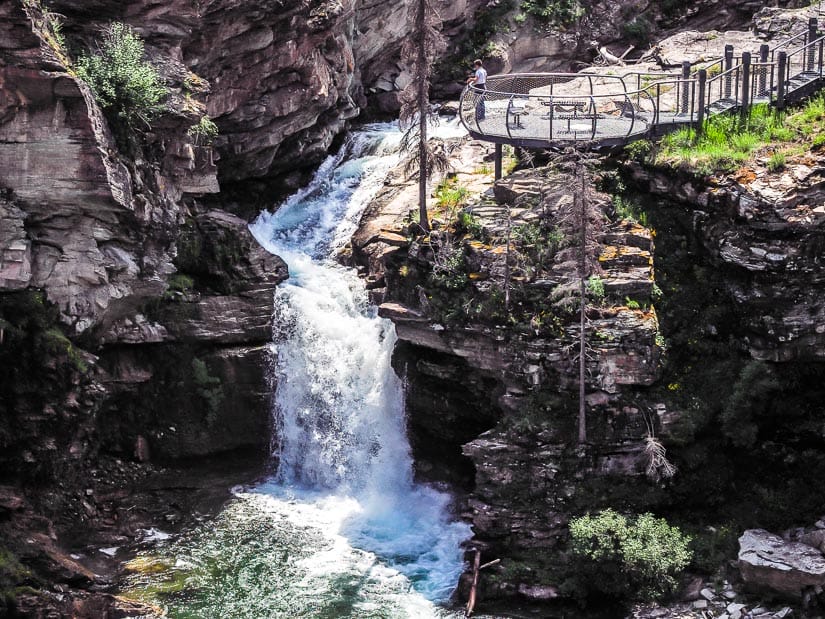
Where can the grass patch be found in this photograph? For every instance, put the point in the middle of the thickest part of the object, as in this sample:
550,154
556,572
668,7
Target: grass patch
728,141
776,161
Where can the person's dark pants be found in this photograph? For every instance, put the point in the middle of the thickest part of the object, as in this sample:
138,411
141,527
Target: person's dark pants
480,111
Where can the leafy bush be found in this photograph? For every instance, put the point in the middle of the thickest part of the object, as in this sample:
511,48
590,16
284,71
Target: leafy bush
553,12
209,389
638,150
203,131
712,547
124,84
449,272
621,558
467,223
449,194
595,286
638,31
629,210
749,400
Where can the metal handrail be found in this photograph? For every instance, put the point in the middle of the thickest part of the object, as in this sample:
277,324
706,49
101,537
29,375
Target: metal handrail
551,78
666,97
784,44
807,47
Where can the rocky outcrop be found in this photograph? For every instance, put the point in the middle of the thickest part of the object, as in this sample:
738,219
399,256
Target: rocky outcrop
15,248
133,320
786,567
767,230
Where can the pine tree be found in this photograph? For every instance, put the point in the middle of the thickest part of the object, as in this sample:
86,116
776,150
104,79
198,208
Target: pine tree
422,45
579,219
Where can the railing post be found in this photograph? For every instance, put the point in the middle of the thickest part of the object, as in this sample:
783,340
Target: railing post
685,91
700,112
782,66
811,54
764,49
497,161
746,86
819,62
728,67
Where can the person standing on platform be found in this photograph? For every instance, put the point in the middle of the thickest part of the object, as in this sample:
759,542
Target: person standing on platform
479,80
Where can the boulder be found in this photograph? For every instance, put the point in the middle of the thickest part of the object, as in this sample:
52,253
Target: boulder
767,561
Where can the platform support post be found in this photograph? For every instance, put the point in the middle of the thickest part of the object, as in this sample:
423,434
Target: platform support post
498,161
782,67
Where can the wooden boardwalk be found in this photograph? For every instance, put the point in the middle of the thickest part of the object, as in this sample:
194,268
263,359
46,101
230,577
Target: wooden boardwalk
543,110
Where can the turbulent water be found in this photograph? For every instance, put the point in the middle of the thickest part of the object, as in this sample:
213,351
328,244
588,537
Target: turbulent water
341,530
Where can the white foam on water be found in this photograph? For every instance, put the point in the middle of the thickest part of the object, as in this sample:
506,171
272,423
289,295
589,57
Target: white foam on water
339,407
341,530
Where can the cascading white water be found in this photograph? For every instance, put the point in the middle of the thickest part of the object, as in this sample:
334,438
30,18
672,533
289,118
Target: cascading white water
339,406
341,530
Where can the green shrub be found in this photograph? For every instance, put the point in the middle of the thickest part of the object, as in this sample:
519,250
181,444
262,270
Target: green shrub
124,84
712,547
595,286
467,223
749,400
449,194
553,12
628,559
203,131
629,210
638,150
450,273
638,31
209,388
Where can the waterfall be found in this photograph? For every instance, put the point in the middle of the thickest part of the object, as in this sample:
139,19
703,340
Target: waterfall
338,405
341,530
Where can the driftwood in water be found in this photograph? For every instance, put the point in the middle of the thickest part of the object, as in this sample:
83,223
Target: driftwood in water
477,567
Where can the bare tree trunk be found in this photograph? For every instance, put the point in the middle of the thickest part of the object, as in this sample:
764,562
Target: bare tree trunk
423,113
582,310
471,602
507,264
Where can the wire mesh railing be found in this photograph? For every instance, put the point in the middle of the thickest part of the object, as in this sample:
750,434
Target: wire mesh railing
536,109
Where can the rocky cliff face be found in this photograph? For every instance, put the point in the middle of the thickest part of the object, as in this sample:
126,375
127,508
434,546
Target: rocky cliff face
133,319
725,371
491,394
766,230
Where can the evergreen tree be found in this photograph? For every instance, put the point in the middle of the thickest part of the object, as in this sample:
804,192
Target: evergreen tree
422,45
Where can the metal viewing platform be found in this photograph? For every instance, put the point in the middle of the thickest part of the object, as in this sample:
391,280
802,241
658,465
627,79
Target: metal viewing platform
602,110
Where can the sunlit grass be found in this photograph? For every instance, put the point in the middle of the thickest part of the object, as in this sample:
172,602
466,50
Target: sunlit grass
728,141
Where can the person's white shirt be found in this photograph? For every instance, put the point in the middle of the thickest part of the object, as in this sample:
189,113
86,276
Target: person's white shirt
481,76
